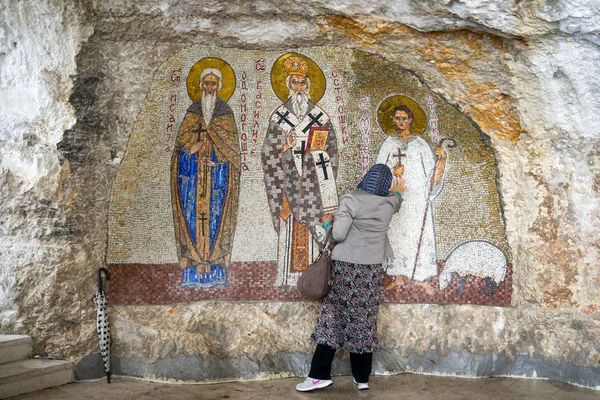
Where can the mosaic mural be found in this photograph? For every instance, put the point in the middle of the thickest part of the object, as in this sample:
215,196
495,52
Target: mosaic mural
237,154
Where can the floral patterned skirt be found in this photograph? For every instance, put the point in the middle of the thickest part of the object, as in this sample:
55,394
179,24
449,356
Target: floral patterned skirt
348,317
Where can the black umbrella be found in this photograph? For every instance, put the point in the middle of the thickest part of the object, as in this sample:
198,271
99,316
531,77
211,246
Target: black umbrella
102,326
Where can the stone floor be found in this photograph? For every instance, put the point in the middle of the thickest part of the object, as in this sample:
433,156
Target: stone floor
405,386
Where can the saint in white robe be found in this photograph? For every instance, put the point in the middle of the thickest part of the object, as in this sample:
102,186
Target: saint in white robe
406,226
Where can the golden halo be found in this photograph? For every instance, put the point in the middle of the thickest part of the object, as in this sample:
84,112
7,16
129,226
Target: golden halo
315,74
193,79
385,117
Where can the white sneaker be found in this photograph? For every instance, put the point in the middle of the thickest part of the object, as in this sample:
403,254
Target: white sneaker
361,386
312,384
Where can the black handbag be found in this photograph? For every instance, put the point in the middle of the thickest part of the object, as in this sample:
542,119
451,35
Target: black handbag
315,282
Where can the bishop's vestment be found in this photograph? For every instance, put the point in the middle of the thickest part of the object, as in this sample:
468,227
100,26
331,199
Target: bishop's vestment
300,185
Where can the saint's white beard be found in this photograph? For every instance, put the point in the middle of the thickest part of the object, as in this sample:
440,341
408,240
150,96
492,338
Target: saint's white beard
299,103
208,106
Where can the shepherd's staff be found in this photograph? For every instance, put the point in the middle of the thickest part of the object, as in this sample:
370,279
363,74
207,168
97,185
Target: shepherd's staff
435,135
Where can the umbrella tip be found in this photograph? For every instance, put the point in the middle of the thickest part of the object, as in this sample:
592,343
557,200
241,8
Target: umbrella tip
108,377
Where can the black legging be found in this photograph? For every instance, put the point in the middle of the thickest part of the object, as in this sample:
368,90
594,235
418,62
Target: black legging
320,367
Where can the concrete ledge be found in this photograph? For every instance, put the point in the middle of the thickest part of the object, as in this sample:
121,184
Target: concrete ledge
14,348
385,362
15,353
14,340
27,369
36,383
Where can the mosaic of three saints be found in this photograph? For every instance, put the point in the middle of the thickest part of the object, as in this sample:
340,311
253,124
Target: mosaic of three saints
300,162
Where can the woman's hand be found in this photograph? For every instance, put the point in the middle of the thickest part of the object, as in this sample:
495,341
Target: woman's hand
327,218
398,185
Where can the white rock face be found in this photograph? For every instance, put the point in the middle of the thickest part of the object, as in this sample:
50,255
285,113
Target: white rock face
525,72
560,74
38,45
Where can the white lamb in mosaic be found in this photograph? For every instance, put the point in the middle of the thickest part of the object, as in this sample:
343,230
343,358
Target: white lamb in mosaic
476,258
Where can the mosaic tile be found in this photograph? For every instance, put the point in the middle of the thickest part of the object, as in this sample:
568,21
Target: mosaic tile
228,173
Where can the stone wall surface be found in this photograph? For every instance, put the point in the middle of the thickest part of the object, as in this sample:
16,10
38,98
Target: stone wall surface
38,45
73,77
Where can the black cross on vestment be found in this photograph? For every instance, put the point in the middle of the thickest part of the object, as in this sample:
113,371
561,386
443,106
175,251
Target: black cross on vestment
302,149
399,156
283,118
313,120
201,129
203,218
323,164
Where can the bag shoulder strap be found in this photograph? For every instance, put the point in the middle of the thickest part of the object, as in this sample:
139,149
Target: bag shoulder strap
327,241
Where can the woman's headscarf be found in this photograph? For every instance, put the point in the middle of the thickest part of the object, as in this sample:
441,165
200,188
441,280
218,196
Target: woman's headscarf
377,181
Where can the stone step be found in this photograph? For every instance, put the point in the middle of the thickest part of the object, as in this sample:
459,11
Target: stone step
14,348
26,376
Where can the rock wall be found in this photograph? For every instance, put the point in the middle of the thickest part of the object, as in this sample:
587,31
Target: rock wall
73,77
38,45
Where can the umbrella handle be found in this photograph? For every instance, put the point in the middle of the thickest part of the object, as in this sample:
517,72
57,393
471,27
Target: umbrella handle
100,270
